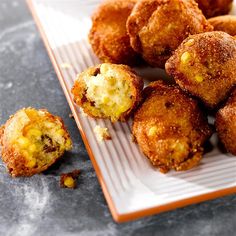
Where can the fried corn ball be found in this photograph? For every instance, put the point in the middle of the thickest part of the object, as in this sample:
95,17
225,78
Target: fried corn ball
226,124
32,140
224,23
157,27
204,65
212,8
108,91
170,128
108,36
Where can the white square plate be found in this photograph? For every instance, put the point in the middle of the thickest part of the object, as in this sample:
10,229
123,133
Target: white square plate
132,187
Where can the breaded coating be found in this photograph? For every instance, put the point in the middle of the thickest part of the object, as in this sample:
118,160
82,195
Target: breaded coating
32,140
225,23
204,65
108,36
212,8
226,124
157,27
69,180
170,128
108,91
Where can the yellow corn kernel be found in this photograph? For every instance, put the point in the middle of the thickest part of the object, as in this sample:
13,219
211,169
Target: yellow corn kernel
60,132
190,42
112,81
26,154
69,182
199,78
34,132
106,100
23,142
32,148
31,163
180,147
152,131
186,56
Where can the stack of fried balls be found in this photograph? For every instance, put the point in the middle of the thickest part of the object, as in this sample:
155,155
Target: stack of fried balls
170,121
194,41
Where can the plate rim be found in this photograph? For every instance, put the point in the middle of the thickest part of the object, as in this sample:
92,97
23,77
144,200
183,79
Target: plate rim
119,218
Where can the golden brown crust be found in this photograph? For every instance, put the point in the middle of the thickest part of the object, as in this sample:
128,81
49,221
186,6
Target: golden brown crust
226,124
16,163
170,128
204,66
108,36
13,155
129,75
154,31
212,8
225,23
1,133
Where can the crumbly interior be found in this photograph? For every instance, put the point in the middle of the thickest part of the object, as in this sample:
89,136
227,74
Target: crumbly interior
101,133
39,137
109,92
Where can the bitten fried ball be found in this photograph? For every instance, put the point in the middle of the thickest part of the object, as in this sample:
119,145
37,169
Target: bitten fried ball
32,140
205,66
224,23
108,91
170,128
212,8
226,124
108,36
157,27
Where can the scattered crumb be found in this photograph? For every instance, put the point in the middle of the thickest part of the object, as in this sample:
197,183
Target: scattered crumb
69,180
71,116
101,133
82,112
66,66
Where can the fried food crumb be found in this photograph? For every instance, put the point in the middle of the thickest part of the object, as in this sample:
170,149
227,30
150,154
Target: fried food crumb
69,180
66,66
83,113
71,116
101,133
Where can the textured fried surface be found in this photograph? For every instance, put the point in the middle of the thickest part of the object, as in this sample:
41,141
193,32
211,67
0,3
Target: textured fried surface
170,128
226,124
108,35
32,140
157,27
204,65
115,97
212,8
225,23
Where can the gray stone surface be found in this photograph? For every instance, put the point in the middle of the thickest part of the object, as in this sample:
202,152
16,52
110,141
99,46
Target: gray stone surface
37,205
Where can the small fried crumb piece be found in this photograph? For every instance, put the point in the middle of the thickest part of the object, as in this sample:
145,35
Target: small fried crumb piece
71,116
83,113
69,180
66,66
101,133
